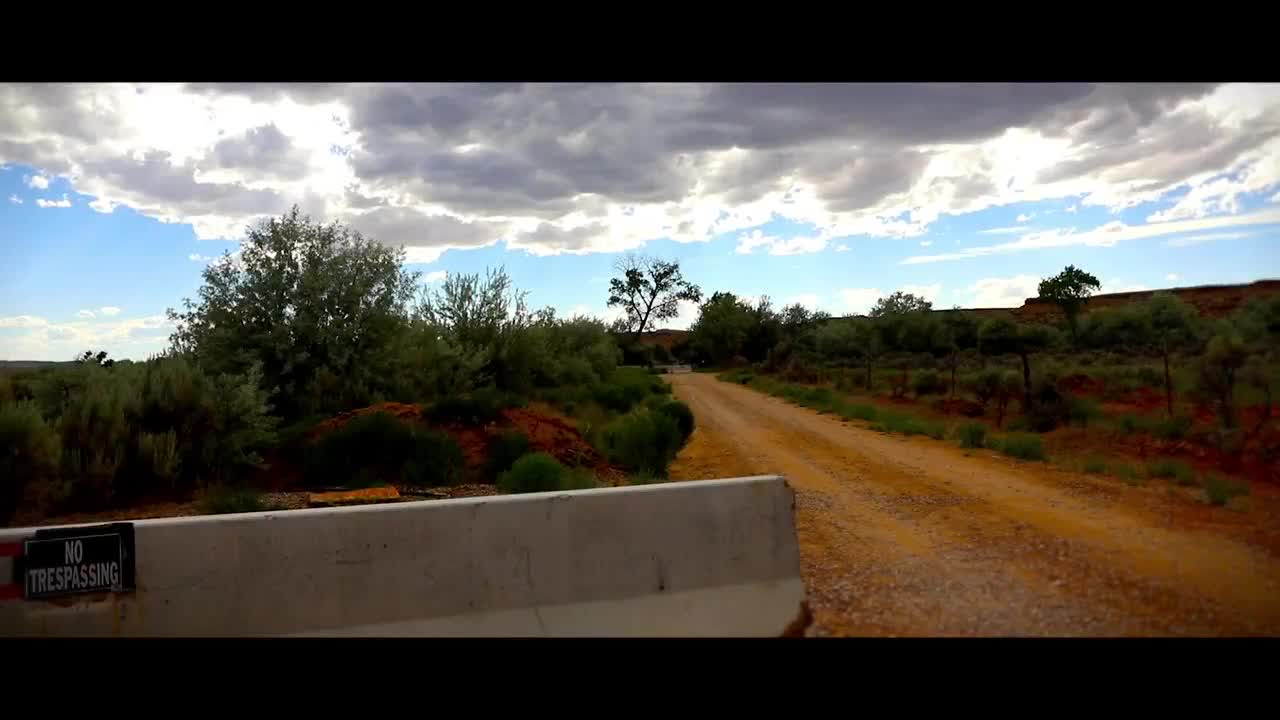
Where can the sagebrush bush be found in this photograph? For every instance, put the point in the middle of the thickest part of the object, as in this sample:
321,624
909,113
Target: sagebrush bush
928,382
479,407
505,449
1081,410
379,447
538,472
1127,424
858,412
683,417
643,442
1220,491
1170,468
30,452
436,460
221,500
1095,465
1174,428
972,435
1024,446
1126,473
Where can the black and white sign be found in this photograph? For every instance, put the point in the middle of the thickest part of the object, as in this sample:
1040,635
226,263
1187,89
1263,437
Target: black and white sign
71,561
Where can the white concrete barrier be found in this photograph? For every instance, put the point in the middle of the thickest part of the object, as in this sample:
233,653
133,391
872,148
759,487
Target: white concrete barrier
701,558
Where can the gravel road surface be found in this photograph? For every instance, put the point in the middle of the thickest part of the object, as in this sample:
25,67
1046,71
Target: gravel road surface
917,537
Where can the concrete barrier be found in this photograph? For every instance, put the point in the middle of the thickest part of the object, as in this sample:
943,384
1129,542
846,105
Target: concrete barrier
701,558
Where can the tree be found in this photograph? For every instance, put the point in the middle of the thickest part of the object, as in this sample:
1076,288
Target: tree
723,324
1170,326
955,332
1070,291
302,297
1003,336
1224,356
905,324
649,291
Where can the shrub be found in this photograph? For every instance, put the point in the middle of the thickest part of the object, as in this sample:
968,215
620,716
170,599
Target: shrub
928,382
539,472
436,460
1126,473
222,499
505,448
858,412
645,479
569,407
1174,428
29,455
894,423
379,447
1082,409
1096,466
1171,469
1024,446
1219,491
643,442
972,435
1128,424
479,407
683,417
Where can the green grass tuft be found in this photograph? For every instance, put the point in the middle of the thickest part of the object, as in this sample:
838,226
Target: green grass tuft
1024,446
972,435
1172,469
1219,491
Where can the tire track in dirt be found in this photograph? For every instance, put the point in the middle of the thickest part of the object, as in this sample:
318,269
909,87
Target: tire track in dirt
907,536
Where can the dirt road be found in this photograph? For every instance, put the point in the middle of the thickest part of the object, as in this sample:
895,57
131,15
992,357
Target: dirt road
911,536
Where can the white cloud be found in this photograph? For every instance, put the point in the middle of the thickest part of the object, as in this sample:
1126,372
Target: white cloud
87,314
842,248
928,292
415,255
926,243
15,199
103,205
435,276
1025,217
197,257
1206,237
1003,231
1072,208
37,182
859,301
1103,236
796,245
809,300
23,321
999,292
749,242
109,311
65,202
608,168
134,338
1275,198
1171,277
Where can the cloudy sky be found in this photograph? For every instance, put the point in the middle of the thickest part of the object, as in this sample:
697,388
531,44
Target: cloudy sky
116,196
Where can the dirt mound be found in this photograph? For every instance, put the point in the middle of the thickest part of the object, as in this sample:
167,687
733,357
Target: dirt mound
546,431
556,437
404,411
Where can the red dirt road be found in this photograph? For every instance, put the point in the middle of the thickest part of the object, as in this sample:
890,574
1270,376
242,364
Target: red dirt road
916,537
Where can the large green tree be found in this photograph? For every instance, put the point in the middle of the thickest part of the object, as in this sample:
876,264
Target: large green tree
302,300
1070,291
649,290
